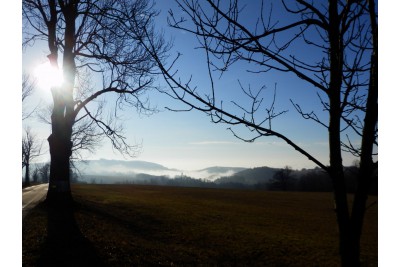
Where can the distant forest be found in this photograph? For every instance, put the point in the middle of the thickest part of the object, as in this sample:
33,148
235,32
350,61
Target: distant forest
262,178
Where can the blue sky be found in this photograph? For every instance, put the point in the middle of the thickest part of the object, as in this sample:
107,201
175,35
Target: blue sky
188,140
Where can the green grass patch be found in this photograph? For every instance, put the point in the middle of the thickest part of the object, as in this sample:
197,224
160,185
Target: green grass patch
131,225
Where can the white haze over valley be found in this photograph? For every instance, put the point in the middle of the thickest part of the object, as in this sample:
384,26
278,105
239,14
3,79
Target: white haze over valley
130,169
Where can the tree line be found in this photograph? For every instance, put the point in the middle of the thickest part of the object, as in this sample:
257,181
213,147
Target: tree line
314,180
285,179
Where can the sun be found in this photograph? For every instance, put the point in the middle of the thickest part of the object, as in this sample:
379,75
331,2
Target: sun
47,76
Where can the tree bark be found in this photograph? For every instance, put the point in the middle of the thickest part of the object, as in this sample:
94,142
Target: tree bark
367,166
60,148
27,182
349,254
59,182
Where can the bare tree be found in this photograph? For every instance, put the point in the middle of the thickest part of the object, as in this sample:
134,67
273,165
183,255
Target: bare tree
35,175
31,148
282,179
28,86
103,38
86,135
44,172
340,66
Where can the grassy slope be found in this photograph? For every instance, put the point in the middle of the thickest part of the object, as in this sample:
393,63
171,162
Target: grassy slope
119,225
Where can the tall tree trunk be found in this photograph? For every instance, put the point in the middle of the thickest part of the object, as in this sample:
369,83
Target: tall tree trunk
60,148
60,152
27,182
367,167
349,256
62,118
59,182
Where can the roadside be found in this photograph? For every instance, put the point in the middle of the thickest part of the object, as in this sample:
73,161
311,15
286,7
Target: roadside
31,196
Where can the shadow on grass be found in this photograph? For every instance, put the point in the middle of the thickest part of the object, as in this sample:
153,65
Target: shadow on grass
65,245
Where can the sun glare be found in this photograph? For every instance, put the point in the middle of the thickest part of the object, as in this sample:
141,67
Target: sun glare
47,76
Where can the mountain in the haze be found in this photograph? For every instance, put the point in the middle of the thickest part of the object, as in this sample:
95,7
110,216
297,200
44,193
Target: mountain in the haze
260,175
117,167
213,173
136,171
131,169
260,178
131,164
217,169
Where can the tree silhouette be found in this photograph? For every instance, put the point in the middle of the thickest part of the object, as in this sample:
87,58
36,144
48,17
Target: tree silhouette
340,64
44,172
85,137
103,39
282,179
30,149
28,86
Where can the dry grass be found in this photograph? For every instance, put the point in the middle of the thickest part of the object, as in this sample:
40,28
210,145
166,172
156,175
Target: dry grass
119,225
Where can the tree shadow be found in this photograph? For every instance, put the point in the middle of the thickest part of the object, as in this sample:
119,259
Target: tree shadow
65,245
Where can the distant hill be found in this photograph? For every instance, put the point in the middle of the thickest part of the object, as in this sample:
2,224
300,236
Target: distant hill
142,171
130,164
140,178
220,170
213,173
118,167
253,176
131,169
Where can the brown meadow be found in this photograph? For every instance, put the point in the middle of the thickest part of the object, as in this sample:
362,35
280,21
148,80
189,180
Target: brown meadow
132,225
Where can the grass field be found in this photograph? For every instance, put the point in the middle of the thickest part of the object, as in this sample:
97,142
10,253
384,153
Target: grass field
131,225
